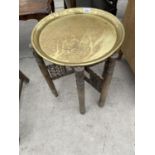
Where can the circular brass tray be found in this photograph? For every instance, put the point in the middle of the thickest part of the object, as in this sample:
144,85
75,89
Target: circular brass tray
77,36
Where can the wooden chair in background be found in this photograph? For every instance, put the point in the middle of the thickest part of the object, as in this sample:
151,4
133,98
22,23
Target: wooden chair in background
107,5
34,9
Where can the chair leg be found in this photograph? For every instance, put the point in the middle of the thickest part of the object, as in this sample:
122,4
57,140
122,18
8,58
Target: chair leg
20,88
22,78
52,6
79,74
65,6
107,77
45,73
73,3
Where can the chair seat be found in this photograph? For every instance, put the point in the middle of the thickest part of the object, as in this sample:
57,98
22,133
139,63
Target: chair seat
27,7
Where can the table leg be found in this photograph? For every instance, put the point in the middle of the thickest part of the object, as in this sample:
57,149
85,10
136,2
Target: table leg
120,55
79,74
45,73
107,76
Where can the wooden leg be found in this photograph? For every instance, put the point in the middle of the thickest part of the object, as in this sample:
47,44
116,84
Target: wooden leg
120,55
20,88
52,6
65,6
79,74
45,73
22,78
107,76
73,3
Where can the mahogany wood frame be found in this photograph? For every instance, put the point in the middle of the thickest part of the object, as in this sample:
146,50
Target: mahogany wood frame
100,84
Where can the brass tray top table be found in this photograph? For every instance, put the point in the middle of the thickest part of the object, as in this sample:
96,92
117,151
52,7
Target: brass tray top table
75,39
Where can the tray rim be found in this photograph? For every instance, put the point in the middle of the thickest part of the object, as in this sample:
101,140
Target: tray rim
79,10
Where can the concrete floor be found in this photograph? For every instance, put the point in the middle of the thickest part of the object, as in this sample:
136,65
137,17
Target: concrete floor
53,126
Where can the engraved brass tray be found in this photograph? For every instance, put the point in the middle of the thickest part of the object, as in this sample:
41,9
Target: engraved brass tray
77,36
